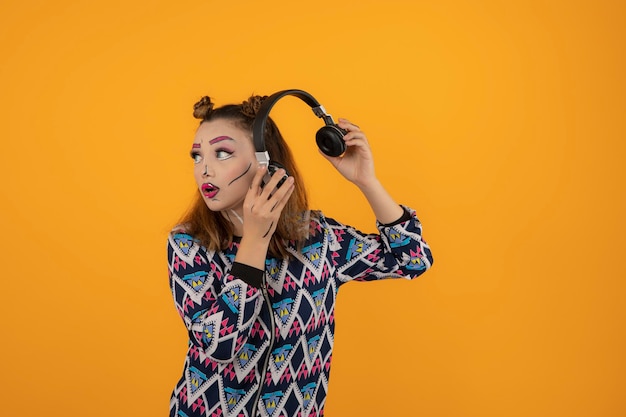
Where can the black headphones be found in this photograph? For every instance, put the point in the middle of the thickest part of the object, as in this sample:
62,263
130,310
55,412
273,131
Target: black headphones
329,138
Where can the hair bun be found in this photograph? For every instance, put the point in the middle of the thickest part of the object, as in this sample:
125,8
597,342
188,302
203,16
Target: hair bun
202,108
251,106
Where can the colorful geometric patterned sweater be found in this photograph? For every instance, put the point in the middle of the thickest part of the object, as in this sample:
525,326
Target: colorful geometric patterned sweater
266,350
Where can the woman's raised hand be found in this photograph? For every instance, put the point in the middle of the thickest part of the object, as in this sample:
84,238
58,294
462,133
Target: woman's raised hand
357,163
264,204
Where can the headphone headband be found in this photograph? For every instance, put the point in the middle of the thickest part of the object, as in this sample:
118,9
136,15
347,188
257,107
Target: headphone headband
258,129
329,138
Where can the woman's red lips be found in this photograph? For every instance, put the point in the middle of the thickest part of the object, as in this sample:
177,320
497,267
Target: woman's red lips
209,190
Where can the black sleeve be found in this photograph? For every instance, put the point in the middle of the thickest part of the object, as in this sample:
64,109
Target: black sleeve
248,274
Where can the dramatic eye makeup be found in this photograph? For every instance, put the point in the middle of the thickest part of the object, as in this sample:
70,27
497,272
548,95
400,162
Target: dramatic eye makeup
223,154
219,139
195,155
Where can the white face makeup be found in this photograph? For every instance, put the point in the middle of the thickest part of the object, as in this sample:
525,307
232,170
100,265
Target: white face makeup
224,164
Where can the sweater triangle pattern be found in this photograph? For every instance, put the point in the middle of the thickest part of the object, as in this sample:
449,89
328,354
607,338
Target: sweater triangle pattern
235,357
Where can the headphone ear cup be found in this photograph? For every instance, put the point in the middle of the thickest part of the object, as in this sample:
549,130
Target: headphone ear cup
271,169
330,140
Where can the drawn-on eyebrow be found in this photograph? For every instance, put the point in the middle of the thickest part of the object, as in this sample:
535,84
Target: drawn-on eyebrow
195,146
219,139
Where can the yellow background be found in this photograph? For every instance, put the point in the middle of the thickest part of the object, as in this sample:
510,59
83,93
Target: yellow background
501,122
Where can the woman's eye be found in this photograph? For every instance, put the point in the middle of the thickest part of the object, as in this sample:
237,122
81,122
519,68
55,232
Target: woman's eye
196,158
222,154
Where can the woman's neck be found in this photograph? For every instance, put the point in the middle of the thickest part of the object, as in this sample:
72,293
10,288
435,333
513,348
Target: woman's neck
236,220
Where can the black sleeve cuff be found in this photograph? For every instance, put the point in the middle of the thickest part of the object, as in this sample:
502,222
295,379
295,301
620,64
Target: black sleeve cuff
248,274
405,216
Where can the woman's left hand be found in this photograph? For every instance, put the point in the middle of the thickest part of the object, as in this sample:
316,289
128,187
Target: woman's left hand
357,163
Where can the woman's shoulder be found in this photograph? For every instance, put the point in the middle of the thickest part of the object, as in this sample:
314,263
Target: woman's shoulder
180,228
318,217
319,223
315,217
179,236
179,231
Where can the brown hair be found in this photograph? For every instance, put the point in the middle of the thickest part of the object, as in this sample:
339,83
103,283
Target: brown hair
210,228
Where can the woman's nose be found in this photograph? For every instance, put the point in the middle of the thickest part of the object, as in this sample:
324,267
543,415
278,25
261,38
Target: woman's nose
207,172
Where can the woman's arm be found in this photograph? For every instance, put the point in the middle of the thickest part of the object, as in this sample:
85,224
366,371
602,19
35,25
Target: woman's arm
385,208
357,166
217,307
398,250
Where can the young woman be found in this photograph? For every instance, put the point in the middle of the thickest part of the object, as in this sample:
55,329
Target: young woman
254,273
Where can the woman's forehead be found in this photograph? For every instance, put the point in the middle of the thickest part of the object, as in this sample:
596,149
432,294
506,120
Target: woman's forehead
216,131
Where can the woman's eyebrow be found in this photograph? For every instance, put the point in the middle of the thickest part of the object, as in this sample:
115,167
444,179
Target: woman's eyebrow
195,146
219,139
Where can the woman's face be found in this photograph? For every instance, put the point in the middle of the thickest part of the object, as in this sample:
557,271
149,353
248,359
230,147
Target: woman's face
224,164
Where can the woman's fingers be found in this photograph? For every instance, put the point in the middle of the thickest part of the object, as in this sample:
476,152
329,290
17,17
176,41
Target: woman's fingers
347,125
354,132
263,200
282,194
264,204
258,178
270,187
